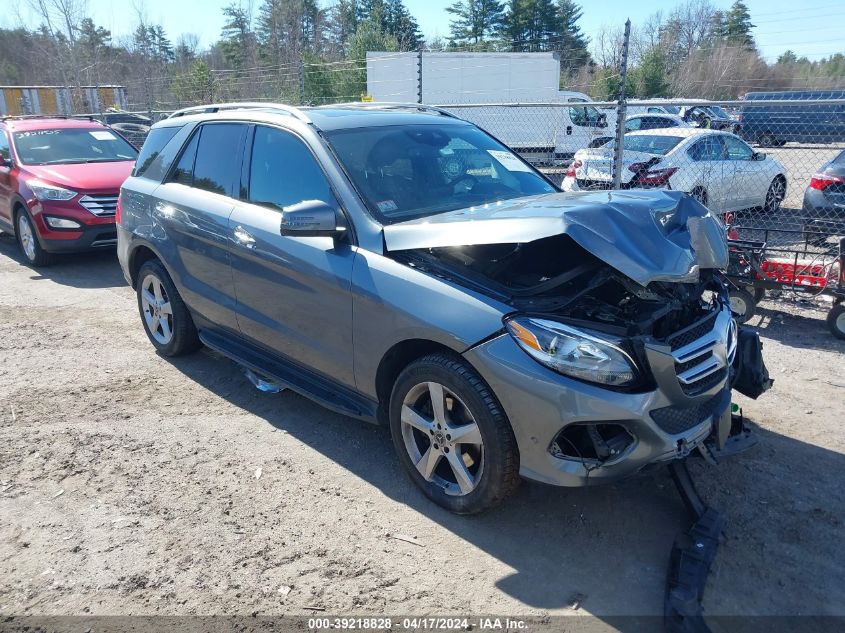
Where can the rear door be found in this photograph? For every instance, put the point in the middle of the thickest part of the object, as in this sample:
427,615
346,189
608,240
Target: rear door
293,292
707,170
193,207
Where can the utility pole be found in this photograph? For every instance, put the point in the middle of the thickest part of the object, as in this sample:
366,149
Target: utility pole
620,110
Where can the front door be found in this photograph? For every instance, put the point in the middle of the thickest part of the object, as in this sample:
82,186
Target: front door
293,293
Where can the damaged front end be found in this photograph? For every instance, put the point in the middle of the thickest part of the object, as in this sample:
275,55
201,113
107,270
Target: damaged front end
620,293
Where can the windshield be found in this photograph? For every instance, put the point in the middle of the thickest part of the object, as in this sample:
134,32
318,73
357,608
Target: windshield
720,112
72,145
411,171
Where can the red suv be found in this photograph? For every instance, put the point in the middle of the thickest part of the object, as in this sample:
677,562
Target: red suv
59,182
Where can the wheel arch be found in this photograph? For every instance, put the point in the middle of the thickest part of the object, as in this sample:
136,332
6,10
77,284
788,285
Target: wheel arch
397,358
140,254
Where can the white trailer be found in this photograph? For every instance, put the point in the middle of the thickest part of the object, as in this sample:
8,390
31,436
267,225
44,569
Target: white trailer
546,126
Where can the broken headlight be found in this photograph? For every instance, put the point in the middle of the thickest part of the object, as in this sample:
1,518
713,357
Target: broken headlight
573,352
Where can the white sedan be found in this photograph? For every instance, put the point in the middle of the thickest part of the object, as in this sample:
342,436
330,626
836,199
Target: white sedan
718,168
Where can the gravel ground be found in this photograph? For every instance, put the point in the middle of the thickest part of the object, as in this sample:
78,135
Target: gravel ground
131,484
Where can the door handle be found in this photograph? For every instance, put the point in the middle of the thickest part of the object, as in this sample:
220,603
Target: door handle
243,237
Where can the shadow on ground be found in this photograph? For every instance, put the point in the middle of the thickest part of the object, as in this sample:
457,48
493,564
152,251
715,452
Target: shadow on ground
605,547
93,269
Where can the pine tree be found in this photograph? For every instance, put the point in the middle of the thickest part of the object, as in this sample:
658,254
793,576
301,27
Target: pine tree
475,20
237,39
738,25
569,39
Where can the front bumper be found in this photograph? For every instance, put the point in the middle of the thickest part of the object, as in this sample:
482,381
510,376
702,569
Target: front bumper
94,231
665,423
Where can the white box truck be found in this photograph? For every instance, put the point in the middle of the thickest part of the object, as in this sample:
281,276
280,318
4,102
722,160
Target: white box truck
496,92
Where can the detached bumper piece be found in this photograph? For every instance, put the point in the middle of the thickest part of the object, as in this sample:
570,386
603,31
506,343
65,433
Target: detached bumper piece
692,555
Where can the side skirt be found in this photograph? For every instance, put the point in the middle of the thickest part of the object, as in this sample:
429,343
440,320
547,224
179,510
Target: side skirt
304,381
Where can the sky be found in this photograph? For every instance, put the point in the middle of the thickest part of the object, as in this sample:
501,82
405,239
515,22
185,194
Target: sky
815,28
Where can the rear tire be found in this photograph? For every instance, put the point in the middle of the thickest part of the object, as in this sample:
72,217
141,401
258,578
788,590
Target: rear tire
743,304
836,321
767,139
27,237
165,316
462,455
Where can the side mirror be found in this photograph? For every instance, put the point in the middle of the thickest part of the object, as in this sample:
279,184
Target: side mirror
311,218
602,122
5,162
758,156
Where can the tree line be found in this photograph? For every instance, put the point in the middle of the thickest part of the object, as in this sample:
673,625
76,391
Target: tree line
300,50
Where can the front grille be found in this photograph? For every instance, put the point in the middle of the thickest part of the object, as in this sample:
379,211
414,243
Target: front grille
693,332
702,353
100,204
675,419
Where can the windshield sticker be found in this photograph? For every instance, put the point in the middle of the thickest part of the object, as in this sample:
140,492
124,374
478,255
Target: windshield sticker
386,206
103,135
508,160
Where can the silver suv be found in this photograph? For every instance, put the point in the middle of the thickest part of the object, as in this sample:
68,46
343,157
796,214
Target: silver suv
401,266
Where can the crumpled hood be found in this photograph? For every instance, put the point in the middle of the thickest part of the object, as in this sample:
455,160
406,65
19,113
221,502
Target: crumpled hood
85,177
648,235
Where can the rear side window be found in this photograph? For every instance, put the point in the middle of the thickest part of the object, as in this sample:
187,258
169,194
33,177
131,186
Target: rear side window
708,148
840,160
156,140
283,171
211,160
217,166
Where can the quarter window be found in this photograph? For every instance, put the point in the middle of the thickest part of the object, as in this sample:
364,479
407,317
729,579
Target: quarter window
283,171
184,172
153,145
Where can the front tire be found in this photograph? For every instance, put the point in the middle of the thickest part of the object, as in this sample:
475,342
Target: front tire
165,316
28,242
452,436
775,195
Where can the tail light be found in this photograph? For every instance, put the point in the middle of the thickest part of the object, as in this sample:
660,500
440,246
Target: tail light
575,164
656,177
823,181
117,210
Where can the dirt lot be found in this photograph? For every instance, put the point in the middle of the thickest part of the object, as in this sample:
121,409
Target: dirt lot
129,484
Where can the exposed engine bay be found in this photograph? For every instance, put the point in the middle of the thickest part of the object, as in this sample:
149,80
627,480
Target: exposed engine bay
554,275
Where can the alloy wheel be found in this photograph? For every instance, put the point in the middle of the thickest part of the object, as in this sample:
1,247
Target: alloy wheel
26,237
442,438
775,195
158,313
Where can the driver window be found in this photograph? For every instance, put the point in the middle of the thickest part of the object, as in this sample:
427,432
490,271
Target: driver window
737,150
283,171
584,116
633,124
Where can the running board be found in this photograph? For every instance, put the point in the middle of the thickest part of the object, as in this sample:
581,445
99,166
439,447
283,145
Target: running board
294,376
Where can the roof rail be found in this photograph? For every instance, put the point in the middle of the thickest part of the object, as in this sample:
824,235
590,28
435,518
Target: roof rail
246,105
391,105
23,117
